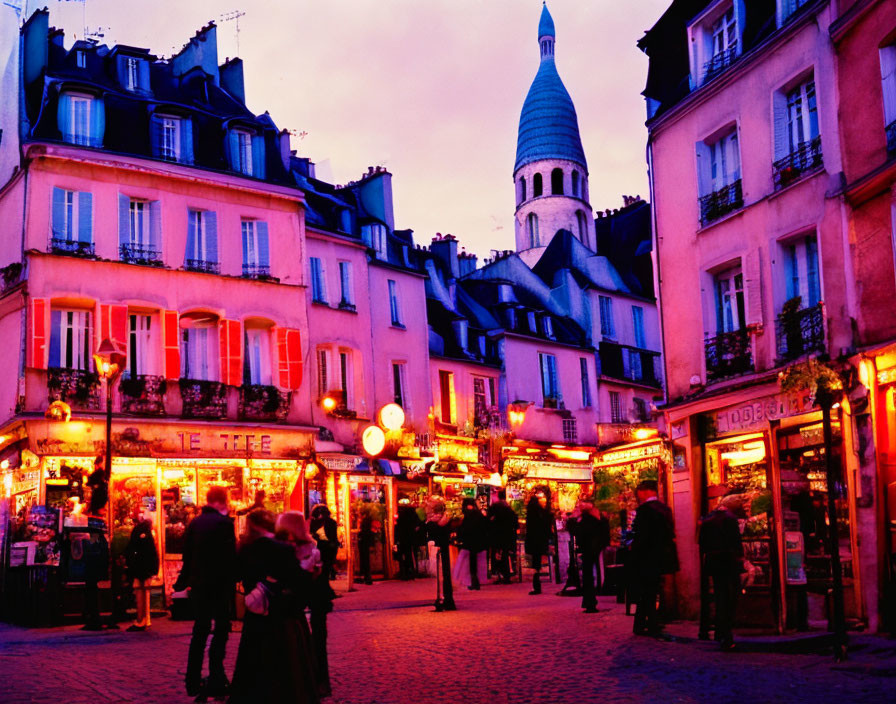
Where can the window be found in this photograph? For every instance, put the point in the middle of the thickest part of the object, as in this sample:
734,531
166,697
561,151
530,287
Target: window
530,319
376,238
243,155
586,385
575,183
72,222
570,431
549,384
394,304
80,59
256,250
888,87
557,182
345,285
257,357
198,349
789,7
730,302
801,271
345,220
641,410
133,73
616,407
323,382
172,138
139,230
81,119
635,366
345,378
131,78
802,115
718,163
141,345
70,337
724,161
483,396
536,185
548,326
582,223
318,281
399,384
447,398
638,326
522,189
202,241
607,326
797,141
532,227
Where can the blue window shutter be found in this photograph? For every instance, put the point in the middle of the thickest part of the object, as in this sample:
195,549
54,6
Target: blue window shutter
258,160
143,75
245,247
64,117
155,134
124,220
790,272
155,225
233,150
186,139
121,71
191,235
264,252
97,122
211,235
85,217
814,285
55,338
58,213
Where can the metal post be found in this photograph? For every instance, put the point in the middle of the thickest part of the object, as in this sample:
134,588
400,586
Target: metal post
839,624
108,467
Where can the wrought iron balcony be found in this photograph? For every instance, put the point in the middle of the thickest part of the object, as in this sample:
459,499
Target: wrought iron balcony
630,363
259,402
891,139
143,394
804,159
138,254
800,332
719,62
76,387
203,399
256,271
721,202
202,265
76,248
728,354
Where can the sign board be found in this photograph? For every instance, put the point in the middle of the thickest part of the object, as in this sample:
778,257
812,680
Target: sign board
754,415
339,463
538,469
629,454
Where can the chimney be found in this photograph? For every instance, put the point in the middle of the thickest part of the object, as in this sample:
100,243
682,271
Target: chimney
231,72
285,152
445,248
375,194
201,51
466,263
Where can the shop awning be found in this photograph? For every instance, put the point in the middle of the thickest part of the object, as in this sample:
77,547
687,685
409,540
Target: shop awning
389,468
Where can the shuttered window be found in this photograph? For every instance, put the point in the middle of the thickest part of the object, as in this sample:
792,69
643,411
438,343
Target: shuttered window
607,324
71,333
549,384
318,281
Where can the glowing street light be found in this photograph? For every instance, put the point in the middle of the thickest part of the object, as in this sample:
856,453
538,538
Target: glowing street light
109,361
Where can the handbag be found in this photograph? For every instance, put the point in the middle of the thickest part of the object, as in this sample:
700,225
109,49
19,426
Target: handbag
258,601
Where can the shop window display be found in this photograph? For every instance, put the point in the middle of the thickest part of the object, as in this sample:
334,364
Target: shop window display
179,506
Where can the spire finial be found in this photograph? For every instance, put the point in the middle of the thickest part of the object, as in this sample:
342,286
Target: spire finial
546,33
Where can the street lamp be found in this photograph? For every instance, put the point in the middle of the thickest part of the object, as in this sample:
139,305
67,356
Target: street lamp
109,361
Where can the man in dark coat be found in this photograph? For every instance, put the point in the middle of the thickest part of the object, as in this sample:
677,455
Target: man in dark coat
407,535
472,534
209,571
592,537
438,530
539,532
653,554
722,551
504,524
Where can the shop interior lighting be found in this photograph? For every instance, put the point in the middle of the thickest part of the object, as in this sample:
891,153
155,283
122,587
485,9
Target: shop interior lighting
645,433
580,455
737,458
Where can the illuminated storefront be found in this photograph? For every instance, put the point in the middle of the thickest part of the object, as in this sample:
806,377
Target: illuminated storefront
566,471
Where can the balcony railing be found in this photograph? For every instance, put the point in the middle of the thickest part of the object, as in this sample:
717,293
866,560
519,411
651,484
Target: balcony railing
143,394
728,354
138,254
202,265
256,271
258,402
718,63
891,139
76,248
804,159
74,386
203,399
630,363
800,332
721,202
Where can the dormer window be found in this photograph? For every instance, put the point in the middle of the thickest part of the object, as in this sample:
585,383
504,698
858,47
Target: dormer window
247,152
81,119
548,326
375,237
715,40
172,138
80,59
133,73
533,328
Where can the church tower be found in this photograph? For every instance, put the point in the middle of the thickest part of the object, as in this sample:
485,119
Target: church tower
550,175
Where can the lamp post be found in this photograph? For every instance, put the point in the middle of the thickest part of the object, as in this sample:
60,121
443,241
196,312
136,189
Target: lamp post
109,361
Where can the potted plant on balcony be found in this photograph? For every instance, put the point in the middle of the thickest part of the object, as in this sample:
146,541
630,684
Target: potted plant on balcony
552,401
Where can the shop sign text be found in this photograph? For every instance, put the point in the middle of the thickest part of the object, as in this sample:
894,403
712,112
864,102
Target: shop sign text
755,414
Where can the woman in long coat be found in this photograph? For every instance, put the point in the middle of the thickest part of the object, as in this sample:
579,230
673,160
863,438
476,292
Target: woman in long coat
142,558
539,528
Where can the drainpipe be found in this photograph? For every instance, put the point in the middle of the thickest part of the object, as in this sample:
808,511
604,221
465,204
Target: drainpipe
656,266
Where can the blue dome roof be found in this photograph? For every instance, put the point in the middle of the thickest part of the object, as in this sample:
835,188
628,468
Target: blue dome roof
546,23
549,128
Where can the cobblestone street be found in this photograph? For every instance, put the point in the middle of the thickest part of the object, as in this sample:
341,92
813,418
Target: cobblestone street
388,647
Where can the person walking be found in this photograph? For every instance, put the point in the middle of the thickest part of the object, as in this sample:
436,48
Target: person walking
438,530
592,537
209,572
291,527
274,662
504,526
324,530
407,536
653,554
722,552
539,529
473,538
142,559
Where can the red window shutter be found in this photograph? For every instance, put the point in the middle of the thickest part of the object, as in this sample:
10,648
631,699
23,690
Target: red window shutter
170,343
282,371
112,324
231,344
38,332
294,355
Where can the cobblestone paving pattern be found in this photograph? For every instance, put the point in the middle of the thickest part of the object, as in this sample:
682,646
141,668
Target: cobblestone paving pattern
502,645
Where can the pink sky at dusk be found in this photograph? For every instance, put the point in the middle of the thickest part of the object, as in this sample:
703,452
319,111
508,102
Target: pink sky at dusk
431,89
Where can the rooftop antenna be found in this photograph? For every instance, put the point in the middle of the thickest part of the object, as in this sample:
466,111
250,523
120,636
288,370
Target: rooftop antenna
94,35
234,16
